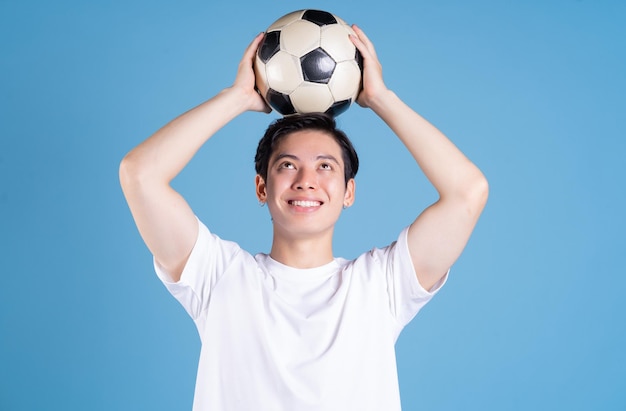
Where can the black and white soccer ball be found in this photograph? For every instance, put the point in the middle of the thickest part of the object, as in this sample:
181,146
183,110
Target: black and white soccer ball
307,63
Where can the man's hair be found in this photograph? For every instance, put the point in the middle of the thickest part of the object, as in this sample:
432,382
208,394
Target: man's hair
298,122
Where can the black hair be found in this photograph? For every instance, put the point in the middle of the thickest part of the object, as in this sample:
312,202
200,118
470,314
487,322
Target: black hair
297,122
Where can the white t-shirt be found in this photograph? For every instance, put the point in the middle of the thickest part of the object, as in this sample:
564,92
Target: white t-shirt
277,338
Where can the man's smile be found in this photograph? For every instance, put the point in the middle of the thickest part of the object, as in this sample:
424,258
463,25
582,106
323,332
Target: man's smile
305,203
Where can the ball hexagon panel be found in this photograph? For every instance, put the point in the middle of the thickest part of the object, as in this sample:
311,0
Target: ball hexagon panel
300,37
342,22
317,66
311,97
283,72
346,81
335,40
319,17
285,20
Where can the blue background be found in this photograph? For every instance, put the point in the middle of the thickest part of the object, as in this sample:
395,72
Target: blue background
533,316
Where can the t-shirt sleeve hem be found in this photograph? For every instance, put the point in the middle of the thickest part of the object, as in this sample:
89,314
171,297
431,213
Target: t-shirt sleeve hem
191,266
189,289
417,289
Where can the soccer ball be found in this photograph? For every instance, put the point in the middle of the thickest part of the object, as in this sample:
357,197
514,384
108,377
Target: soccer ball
306,63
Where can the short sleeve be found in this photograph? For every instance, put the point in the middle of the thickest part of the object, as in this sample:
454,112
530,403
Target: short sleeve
406,294
209,259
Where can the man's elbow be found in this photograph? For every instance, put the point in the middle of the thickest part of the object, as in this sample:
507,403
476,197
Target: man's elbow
126,171
131,172
476,193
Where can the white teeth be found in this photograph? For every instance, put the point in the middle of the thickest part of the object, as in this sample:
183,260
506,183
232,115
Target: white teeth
305,203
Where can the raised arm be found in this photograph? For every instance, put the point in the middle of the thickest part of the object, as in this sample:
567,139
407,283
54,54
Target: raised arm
439,234
165,221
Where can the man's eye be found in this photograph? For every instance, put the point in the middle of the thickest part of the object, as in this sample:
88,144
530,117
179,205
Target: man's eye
326,166
286,164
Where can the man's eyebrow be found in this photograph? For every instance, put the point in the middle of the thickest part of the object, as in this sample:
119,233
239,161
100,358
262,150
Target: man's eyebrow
281,156
332,158
285,155
328,157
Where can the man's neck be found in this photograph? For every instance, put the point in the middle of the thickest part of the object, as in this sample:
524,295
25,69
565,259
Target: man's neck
302,252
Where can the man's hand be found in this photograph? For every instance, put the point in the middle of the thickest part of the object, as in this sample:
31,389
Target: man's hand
373,84
245,80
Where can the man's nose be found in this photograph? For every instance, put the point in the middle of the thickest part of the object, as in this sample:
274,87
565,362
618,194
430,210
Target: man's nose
307,179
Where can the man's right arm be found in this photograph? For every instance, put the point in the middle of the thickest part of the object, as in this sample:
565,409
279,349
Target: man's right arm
165,221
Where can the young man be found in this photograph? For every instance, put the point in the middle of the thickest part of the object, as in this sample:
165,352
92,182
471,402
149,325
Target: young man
298,329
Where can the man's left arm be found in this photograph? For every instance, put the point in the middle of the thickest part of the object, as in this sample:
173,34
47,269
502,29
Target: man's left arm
439,234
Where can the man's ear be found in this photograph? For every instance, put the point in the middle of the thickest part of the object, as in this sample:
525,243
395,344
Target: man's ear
261,189
349,197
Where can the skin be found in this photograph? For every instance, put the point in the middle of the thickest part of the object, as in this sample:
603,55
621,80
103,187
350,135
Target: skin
303,238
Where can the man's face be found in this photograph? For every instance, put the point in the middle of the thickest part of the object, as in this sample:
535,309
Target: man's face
305,188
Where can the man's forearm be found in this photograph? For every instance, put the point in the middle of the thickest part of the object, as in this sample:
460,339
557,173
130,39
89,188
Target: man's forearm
445,166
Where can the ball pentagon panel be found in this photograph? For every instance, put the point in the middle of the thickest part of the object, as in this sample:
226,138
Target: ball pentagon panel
280,102
269,46
319,17
317,66
339,107
359,59
260,76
